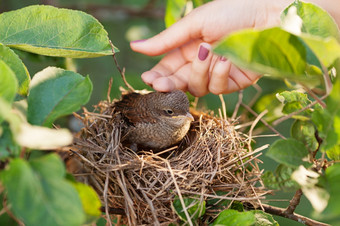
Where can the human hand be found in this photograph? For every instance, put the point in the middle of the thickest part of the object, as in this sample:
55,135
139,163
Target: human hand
189,63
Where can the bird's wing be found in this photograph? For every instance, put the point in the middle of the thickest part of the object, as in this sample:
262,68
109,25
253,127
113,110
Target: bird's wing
133,109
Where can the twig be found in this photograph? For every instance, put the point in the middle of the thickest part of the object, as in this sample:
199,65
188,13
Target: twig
115,211
278,121
319,140
109,90
310,92
294,202
179,194
293,216
10,214
224,108
122,72
263,121
237,107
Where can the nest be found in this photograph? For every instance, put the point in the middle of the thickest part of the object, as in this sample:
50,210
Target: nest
213,162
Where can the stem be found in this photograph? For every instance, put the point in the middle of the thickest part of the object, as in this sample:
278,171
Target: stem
263,121
278,121
293,216
122,72
294,202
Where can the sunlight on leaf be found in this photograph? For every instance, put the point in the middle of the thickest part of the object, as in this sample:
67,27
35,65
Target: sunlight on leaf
42,138
308,179
50,31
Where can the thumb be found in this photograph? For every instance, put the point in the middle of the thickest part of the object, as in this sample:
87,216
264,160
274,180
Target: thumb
178,34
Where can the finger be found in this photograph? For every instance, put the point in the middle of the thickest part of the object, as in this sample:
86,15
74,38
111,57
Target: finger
174,81
218,83
241,78
199,76
178,34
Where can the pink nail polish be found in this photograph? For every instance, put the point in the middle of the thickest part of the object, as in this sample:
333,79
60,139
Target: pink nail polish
137,41
222,58
203,53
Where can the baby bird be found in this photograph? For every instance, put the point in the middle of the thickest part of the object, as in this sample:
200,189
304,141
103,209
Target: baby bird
154,120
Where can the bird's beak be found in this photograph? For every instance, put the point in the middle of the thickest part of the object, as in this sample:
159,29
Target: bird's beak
188,115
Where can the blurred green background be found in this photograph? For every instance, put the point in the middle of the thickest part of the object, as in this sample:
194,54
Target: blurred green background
128,20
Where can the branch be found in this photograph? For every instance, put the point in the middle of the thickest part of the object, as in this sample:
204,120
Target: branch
122,72
263,121
294,202
278,121
293,216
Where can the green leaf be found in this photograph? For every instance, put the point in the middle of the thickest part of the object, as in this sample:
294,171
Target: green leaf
293,96
90,201
280,179
294,101
324,121
50,31
175,10
331,182
44,197
13,61
55,92
290,152
263,219
304,131
234,218
8,146
8,84
198,3
327,50
273,51
194,206
315,20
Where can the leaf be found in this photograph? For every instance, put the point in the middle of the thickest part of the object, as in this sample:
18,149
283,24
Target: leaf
331,182
55,92
90,201
44,197
304,131
290,152
273,51
294,101
315,20
19,69
308,180
42,138
324,121
50,31
175,10
280,179
8,84
263,219
8,146
194,206
327,50
233,218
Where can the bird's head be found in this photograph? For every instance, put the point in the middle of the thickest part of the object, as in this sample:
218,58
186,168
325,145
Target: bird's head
173,107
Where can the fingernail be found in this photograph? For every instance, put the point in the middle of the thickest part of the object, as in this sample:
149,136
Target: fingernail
203,53
222,58
137,41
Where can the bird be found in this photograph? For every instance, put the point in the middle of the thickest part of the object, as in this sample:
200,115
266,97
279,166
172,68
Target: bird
154,120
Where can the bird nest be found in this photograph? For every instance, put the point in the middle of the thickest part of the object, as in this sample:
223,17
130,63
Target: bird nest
213,163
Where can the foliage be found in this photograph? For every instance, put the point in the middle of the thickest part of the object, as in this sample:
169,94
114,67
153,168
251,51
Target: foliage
36,188
303,51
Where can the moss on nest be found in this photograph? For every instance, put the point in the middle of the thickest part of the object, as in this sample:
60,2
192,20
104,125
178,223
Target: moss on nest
213,162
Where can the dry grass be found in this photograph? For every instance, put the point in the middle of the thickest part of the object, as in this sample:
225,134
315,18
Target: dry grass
213,157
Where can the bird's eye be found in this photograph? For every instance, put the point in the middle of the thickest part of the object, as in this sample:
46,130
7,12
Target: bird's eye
169,111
